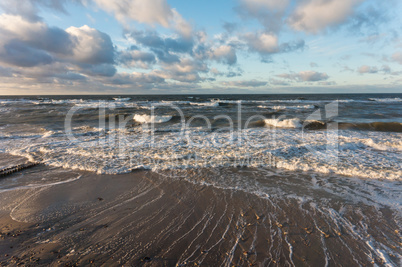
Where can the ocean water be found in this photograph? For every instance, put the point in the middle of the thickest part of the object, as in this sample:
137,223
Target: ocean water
352,135
326,162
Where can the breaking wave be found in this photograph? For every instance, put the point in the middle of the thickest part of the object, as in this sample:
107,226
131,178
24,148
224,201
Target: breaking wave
205,104
396,99
151,118
289,123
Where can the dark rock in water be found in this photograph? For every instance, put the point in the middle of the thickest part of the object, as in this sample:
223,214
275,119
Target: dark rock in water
301,98
259,123
314,125
100,199
226,104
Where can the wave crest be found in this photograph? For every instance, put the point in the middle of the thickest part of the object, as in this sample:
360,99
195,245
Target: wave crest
151,118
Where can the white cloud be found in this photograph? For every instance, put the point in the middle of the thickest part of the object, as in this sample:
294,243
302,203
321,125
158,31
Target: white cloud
305,76
12,26
367,69
312,76
150,12
263,43
33,46
187,70
225,54
314,16
181,25
91,45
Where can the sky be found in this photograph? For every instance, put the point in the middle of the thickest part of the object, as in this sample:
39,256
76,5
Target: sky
62,47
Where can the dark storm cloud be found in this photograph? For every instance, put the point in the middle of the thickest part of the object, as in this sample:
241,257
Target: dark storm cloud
20,54
27,45
166,57
53,40
133,57
153,40
164,47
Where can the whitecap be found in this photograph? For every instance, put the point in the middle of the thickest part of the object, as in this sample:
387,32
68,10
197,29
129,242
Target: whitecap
151,118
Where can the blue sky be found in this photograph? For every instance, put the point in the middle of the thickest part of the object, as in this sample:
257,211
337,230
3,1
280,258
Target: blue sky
200,46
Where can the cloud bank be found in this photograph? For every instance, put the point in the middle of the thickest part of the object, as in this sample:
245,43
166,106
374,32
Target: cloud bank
163,49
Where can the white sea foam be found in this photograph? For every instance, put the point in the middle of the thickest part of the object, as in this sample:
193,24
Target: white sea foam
47,134
396,99
122,98
289,107
205,104
359,153
175,102
289,123
151,118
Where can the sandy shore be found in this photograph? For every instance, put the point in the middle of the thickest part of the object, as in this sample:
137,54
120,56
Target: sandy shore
149,219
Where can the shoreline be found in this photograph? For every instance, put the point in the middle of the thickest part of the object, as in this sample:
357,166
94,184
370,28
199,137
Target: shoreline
145,218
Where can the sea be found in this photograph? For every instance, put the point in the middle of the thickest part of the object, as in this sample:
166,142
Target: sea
349,134
329,162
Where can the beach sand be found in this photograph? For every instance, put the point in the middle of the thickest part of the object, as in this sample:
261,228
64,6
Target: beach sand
159,219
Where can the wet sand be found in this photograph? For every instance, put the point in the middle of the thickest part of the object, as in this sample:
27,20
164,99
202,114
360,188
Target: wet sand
149,219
